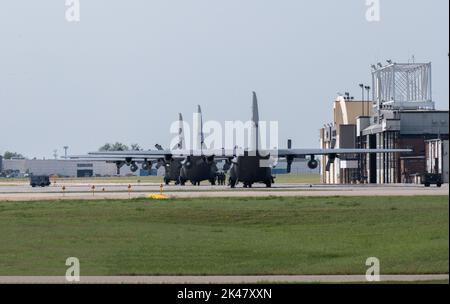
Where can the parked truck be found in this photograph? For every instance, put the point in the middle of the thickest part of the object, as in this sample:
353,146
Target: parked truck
40,181
429,179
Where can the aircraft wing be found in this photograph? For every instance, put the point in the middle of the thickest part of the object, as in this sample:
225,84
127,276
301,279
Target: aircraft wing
112,159
297,153
291,154
142,156
145,157
224,154
124,156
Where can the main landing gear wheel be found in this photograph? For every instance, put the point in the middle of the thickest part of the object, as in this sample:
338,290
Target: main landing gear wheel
233,183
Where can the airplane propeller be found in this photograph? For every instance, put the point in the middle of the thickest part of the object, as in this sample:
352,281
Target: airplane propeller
289,159
227,164
133,167
331,159
188,162
146,165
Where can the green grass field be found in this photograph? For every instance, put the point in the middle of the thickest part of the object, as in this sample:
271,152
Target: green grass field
410,235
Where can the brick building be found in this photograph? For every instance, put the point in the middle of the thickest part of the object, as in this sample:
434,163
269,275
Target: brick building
402,116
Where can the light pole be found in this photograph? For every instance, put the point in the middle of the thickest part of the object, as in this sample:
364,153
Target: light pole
362,98
368,99
360,158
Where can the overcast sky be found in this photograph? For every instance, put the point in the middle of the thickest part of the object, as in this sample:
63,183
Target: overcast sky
128,67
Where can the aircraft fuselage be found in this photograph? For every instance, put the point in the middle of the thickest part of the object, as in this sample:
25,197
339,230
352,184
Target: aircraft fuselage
172,171
248,170
197,169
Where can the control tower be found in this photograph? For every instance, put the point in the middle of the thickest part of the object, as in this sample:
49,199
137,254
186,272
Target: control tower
402,86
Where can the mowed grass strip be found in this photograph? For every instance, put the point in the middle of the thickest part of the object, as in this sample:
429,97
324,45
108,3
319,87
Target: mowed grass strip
234,236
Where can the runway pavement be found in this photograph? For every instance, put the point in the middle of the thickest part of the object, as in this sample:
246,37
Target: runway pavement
21,191
223,279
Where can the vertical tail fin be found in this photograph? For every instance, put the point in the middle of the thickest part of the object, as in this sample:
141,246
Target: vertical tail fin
254,145
200,137
181,143
255,111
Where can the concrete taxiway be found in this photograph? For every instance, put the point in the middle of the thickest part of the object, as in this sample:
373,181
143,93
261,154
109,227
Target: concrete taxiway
85,191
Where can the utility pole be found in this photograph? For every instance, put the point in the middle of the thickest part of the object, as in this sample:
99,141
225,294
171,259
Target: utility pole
65,151
360,144
362,98
368,99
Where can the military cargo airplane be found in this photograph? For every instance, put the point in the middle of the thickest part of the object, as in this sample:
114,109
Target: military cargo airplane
246,168
179,167
244,164
200,167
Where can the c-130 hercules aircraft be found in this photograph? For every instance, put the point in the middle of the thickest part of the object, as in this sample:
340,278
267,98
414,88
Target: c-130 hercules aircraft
181,169
245,165
180,166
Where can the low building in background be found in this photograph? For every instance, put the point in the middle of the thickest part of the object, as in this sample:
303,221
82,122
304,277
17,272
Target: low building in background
65,168
437,158
341,134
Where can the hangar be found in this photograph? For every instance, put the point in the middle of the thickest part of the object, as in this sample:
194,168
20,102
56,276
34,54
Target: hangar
59,167
400,114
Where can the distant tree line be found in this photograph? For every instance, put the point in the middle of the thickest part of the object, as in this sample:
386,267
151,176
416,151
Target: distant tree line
109,147
11,155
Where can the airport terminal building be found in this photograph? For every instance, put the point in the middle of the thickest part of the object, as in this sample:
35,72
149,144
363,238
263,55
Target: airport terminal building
400,115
